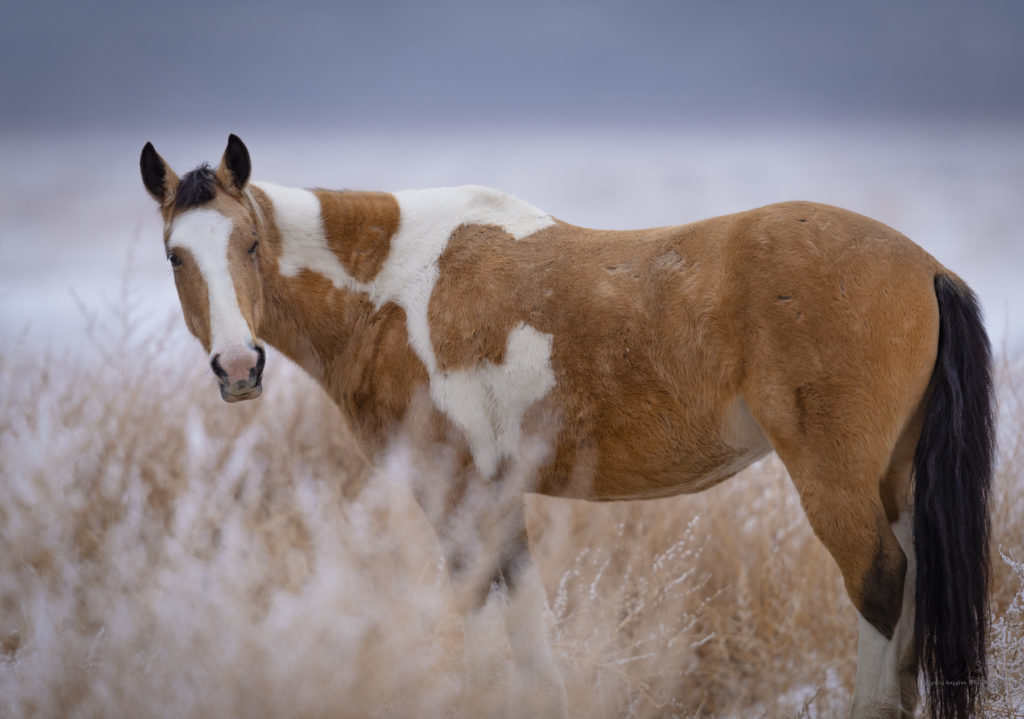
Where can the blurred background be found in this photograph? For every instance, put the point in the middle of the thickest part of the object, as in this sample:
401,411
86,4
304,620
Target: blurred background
608,114
165,554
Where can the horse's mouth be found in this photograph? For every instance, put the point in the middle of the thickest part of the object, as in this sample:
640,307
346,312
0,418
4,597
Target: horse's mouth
240,395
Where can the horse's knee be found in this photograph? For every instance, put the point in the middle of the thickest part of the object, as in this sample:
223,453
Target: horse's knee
513,560
869,557
476,577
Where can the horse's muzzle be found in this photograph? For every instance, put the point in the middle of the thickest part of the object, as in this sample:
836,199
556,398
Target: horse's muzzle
239,372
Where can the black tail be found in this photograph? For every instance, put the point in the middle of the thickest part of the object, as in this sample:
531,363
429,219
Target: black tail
952,472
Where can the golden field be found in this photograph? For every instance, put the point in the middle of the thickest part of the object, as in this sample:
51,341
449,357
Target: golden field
168,555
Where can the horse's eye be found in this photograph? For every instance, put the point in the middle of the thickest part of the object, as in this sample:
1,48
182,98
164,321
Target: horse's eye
174,259
252,250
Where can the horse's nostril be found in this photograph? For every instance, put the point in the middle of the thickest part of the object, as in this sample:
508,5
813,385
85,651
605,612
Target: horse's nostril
256,373
217,369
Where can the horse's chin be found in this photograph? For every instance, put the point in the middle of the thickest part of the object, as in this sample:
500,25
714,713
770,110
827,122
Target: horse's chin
241,396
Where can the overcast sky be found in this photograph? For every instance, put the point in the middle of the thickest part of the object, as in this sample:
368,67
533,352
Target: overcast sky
191,64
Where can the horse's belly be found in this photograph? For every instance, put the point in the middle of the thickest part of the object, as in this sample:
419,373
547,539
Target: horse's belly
672,480
653,465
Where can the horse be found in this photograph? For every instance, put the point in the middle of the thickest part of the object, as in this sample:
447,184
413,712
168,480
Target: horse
657,362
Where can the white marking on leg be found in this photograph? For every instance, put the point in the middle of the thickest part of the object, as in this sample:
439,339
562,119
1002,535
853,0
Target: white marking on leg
205,233
871,654
487,402
881,661
541,690
903,636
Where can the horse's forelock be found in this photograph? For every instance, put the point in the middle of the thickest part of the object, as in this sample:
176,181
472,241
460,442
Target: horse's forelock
197,187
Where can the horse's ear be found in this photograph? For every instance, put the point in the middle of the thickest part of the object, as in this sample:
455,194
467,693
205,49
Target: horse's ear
235,166
157,175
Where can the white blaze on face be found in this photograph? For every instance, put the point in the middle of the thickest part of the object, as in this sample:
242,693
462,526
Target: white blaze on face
205,233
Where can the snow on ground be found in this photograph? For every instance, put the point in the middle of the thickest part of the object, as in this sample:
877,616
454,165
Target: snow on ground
74,215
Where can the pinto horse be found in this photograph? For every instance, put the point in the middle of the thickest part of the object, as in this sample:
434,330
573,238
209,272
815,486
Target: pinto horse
670,359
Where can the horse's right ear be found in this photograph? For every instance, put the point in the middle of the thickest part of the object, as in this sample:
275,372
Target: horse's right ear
157,175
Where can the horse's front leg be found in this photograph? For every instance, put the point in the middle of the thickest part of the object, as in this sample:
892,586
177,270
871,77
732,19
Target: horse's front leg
498,589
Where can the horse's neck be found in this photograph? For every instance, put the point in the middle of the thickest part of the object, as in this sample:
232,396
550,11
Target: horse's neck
327,245
345,256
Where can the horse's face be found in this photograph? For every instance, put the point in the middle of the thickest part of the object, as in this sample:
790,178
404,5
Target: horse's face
212,242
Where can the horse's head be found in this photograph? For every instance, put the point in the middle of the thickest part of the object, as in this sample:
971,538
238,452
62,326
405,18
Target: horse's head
211,235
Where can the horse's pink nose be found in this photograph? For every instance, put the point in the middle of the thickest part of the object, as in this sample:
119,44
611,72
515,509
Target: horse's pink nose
240,370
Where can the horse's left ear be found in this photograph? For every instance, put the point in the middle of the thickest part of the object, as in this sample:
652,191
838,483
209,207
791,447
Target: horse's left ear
235,166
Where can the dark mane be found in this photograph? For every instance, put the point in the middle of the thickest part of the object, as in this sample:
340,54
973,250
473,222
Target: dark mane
197,187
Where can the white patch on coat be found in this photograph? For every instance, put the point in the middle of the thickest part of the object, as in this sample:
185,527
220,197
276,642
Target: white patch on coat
297,214
487,401
428,219
205,233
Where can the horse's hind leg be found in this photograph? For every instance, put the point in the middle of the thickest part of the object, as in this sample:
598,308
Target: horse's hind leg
845,420
842,500
878,661
851,470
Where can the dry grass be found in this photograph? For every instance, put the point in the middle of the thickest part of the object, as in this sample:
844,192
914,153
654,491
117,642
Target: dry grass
165,554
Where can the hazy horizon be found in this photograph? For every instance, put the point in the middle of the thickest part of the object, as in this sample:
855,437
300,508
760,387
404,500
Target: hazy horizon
119,65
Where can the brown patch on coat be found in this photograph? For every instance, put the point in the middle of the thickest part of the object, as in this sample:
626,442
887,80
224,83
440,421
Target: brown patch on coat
193,296
359,227
379,375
